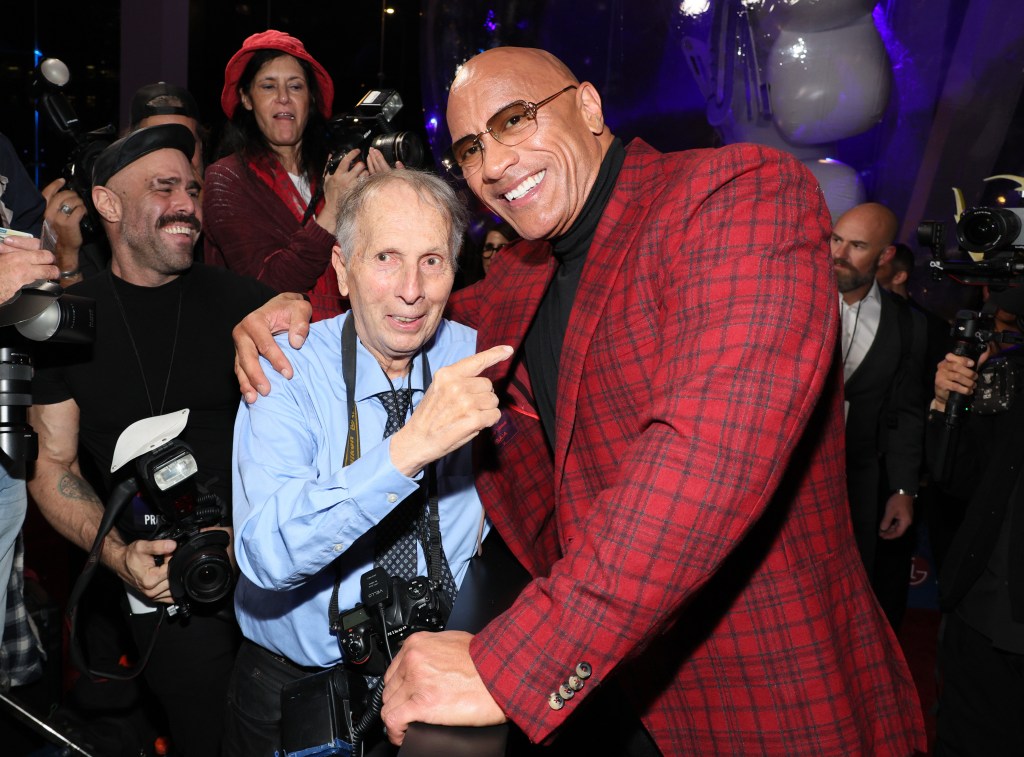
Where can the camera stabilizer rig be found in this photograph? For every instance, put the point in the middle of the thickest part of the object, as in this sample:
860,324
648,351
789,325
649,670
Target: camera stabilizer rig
993,241
972,332
991,238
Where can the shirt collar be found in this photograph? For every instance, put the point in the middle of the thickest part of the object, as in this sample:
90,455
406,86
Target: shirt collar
874,294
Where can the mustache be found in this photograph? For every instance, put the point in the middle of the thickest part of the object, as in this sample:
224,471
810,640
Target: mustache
836,262
180,218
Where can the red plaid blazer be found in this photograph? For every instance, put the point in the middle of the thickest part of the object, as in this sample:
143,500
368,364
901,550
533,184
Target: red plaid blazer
690,532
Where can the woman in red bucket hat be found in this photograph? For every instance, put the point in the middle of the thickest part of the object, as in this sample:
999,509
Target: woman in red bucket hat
256,200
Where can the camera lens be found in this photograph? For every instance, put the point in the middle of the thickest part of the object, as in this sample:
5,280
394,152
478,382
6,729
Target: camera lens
17,439
985,229
402,145
69,318
208,576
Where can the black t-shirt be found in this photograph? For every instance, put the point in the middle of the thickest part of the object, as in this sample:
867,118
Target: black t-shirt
191,361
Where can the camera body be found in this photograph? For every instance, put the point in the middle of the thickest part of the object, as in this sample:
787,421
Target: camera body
369,125
199,571
368,631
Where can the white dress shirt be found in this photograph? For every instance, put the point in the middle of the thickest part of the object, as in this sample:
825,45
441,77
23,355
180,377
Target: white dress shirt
859,326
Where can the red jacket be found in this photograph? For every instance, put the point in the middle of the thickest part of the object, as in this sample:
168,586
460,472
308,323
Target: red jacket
691,533
249,229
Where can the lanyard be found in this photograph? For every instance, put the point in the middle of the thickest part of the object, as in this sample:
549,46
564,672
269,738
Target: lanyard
431,541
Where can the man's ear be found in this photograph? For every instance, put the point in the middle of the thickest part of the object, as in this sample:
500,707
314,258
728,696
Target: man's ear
338,261
899,278
590,104
887,254
107,204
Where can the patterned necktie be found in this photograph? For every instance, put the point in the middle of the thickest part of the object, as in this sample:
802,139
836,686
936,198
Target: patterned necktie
396,534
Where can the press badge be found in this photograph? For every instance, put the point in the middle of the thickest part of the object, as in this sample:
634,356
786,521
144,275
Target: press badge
144,518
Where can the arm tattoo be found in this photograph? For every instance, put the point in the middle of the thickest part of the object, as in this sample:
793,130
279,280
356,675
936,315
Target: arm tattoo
75,487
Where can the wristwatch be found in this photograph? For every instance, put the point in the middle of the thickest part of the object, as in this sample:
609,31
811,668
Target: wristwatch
906,493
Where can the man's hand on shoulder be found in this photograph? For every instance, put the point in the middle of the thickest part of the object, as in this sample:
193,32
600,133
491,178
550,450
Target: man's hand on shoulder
433,680
459,404
254,336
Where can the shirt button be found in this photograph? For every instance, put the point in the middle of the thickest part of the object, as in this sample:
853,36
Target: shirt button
392,498
339,547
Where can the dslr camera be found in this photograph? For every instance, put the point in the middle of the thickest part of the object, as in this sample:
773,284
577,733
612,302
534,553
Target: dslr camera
166,477
369,125
403,607
50,79
199,571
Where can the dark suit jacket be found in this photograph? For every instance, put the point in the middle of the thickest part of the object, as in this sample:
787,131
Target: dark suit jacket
689,534
885,420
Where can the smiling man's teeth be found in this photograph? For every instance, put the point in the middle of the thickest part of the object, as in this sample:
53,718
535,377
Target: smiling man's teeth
178,229
403,319
525,187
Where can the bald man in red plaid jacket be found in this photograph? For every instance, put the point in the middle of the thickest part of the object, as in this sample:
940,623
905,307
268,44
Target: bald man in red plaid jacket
688,533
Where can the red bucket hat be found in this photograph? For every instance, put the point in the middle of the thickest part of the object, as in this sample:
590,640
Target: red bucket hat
272,40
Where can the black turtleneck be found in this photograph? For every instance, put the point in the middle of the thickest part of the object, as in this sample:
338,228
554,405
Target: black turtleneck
546,334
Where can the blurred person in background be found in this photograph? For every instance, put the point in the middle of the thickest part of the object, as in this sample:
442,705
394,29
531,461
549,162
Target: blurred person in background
497,239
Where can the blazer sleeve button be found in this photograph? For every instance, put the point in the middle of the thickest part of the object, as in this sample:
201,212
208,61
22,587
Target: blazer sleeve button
565,692
584,671
555,702
575,683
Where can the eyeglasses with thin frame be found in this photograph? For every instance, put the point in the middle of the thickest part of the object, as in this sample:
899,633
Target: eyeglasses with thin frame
511,125
490,248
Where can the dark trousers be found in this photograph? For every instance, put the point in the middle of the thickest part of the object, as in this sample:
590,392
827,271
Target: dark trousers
253,727
981,705
188,672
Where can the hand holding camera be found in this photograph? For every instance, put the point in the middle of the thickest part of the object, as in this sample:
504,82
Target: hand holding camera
144,568
956,373
23,262
64,213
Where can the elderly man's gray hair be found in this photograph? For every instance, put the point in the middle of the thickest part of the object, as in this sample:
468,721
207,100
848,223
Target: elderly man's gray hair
431,189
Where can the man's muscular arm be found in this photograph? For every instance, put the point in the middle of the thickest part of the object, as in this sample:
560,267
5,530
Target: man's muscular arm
71,506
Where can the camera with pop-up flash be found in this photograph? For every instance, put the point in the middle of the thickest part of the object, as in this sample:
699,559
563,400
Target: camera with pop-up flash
369,125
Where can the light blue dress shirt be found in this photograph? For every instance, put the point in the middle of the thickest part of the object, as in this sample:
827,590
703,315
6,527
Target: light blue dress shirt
297,509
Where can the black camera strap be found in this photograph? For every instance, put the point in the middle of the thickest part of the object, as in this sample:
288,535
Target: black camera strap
431,540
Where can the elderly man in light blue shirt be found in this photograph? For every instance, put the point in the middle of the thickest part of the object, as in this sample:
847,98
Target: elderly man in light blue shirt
313,479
